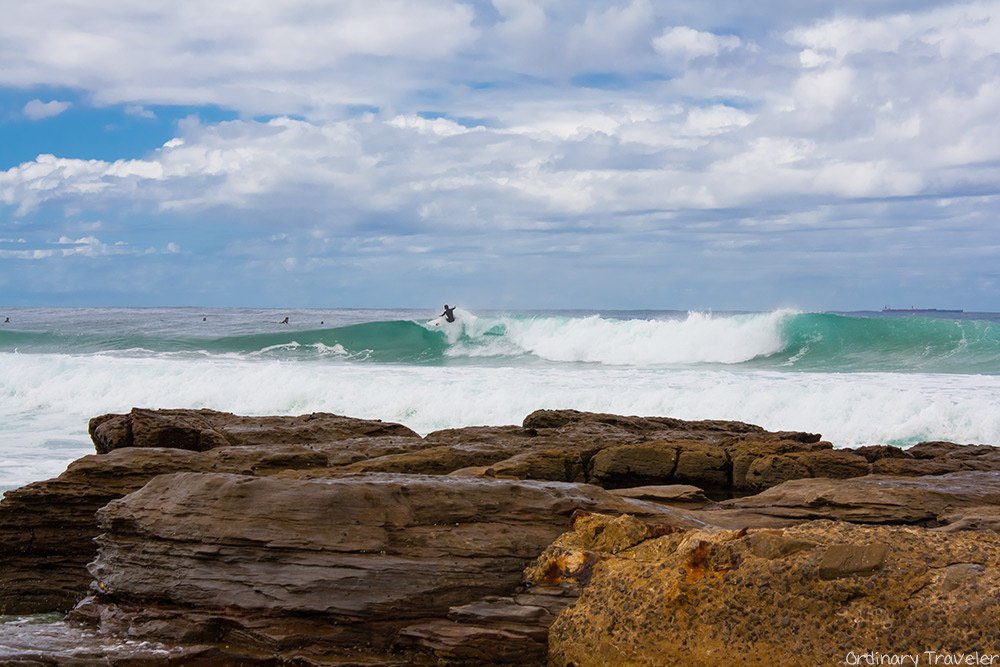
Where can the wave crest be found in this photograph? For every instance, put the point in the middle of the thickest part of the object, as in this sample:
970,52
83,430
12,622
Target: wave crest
696,338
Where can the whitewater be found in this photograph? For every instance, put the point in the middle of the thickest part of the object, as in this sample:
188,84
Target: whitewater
856,378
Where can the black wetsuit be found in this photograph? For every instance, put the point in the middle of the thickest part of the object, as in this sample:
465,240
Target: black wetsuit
449,314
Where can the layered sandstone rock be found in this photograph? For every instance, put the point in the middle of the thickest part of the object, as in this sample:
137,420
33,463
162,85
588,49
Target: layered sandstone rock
199,430
930,501
316,566
47,528
328,540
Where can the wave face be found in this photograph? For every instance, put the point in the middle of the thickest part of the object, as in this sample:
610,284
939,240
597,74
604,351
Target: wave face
841,343
780,340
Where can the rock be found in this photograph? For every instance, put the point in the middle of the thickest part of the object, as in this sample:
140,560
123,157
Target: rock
935,450
773,544
876,499
745,452
329,540
975,517
938,458
47,528
199,430
552,419
613,451
767,471
808,594
482,434
432,460
668,495
873,453
557,465
643,463
848,560
662,462
379,560
912,467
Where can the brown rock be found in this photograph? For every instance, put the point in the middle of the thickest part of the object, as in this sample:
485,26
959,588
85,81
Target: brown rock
847,560
914,467
552,464
744,452
47,528
936,458
773,544
703,465
199,430
767,471
555,419
873,453
644,463
872,499
439,460
378,559
975,517
704,598
667,494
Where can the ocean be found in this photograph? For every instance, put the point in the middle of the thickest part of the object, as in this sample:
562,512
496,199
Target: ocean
856,378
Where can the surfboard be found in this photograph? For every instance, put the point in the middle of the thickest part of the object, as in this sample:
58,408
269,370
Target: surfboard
437,322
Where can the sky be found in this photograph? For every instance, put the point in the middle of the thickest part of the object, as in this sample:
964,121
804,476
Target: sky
507,154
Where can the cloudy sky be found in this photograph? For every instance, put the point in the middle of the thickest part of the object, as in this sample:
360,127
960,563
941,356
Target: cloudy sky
504,154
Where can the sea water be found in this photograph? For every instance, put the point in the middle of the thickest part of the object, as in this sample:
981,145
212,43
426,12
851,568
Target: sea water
855,378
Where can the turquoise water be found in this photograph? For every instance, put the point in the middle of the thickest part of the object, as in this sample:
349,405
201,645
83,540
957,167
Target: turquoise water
856,378
783,340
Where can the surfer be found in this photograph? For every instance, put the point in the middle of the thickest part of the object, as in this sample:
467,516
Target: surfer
284,321
449,313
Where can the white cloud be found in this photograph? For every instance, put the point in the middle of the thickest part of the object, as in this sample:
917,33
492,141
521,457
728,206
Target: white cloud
810,58
38,110
954,30
257,55
139,111
826,89
687,44
716,119
523,28
65,246
439,126
611,37
472,119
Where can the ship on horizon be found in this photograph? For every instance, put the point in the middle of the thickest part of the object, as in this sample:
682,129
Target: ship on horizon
888,309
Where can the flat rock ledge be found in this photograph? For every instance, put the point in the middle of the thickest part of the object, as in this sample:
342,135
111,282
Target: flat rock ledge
320,539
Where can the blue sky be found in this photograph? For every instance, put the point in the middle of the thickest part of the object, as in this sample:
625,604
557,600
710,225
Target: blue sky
504,154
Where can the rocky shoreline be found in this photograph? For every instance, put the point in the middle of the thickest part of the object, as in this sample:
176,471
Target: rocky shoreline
572,539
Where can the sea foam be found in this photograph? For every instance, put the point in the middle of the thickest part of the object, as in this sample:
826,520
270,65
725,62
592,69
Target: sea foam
47,399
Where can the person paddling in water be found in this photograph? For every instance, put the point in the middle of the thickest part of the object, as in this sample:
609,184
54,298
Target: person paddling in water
449,313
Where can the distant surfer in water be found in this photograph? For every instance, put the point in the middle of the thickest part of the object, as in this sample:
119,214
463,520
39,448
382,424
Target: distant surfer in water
449,313
284,321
